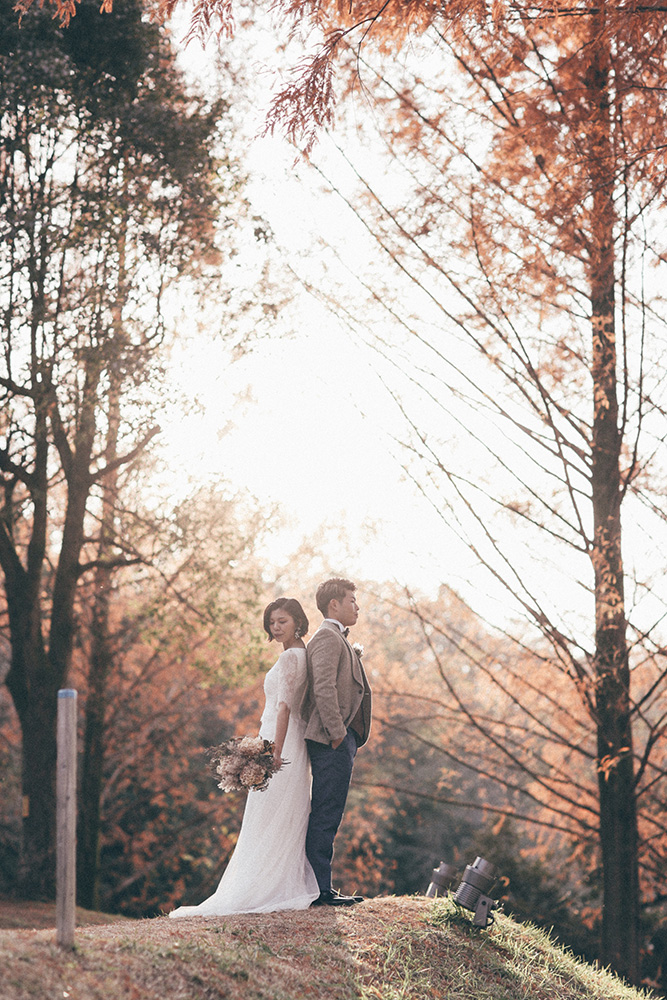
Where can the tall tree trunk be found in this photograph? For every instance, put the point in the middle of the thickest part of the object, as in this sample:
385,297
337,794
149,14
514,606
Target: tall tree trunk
618,819
76,464
101,663
30,671
37,716
101,652
38,729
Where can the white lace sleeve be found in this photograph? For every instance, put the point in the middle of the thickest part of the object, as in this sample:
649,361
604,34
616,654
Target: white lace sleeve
292,678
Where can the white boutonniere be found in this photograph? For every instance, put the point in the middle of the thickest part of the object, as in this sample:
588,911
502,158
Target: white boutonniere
358,648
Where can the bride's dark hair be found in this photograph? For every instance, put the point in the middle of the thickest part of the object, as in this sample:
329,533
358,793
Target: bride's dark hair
293,609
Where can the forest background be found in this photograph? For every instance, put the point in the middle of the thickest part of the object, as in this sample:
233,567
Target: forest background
509,293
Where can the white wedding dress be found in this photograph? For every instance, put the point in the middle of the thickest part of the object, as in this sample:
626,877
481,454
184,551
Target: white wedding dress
269,870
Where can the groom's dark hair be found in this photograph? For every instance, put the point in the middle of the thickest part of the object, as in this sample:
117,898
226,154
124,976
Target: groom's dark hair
332,590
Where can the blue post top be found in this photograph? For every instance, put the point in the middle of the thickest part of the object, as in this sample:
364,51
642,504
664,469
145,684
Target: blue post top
67,693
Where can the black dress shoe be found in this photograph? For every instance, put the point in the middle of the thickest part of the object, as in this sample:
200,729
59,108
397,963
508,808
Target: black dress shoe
331,897
353,897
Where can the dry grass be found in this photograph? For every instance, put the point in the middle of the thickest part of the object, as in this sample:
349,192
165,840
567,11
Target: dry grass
15,914
384,949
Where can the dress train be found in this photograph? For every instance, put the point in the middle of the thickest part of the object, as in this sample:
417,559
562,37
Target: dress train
268,870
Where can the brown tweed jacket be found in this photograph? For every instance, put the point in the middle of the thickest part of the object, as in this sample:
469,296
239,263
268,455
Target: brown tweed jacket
338,693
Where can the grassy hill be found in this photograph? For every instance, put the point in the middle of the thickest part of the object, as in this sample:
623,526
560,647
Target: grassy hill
392,948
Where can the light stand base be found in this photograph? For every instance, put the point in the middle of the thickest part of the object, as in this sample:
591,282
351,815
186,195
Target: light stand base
483,915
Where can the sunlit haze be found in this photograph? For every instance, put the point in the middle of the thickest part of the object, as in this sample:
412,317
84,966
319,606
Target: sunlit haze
302,421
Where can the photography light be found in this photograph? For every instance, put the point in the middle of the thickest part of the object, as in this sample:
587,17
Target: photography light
441,879
477,880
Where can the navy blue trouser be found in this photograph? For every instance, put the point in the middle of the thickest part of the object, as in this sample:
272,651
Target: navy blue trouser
332,770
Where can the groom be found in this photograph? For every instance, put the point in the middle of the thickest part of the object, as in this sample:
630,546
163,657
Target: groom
337,711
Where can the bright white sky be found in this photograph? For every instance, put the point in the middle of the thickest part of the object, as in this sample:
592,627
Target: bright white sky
303,421
301,441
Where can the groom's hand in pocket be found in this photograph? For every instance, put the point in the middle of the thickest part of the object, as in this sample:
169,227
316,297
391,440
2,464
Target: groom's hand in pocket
336,743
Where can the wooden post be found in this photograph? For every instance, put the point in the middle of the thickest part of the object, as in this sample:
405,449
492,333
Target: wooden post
66,819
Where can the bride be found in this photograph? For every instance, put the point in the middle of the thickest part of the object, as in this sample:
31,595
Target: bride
269,870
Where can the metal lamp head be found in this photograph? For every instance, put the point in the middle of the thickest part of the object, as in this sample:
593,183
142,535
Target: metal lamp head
441,879
477,881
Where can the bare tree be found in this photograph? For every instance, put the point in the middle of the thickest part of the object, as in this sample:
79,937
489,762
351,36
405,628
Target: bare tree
518,214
